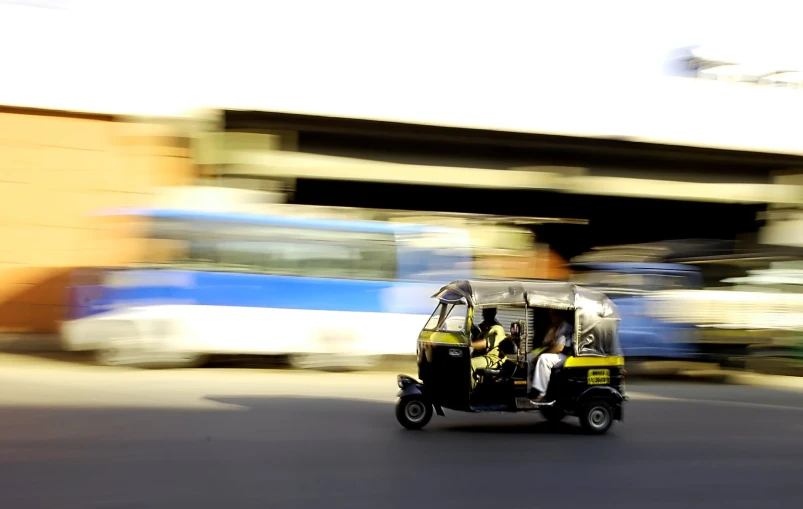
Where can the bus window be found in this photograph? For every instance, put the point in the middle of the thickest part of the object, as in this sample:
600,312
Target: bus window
611,280
312,253
668,282
273,249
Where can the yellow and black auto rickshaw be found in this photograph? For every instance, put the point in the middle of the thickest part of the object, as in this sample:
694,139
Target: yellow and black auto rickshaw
588,383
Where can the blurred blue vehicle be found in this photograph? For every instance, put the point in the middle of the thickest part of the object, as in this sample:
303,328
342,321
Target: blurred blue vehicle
628,284
317,290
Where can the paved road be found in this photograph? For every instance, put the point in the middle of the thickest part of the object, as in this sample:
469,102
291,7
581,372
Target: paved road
75,437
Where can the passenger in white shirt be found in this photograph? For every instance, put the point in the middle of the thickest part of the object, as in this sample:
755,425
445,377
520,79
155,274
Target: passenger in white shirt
557,346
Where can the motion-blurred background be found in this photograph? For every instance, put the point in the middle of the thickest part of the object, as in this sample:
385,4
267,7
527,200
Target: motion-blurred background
183,180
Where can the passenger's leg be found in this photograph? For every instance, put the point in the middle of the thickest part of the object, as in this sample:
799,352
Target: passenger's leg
543,370
530,359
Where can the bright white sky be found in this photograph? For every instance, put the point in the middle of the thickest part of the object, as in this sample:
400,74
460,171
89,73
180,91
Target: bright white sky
568,66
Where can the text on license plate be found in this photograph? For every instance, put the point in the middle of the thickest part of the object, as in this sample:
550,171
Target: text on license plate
599,376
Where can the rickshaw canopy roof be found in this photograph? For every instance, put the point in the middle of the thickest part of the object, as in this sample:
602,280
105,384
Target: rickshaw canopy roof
545,294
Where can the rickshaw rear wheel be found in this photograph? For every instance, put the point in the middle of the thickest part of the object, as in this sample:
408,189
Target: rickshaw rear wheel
413,412
597,417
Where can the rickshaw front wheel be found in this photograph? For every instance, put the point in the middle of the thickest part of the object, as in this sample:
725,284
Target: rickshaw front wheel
597,417
413,412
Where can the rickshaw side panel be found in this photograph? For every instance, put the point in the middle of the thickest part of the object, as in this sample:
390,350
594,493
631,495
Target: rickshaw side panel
581,379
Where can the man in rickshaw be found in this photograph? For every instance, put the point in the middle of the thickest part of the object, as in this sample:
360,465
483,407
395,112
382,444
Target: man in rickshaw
557,346
486,344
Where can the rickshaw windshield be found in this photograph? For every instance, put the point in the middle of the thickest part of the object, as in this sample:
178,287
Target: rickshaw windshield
448,317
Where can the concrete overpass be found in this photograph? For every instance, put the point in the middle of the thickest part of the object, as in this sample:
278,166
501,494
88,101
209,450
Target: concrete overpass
285,146
629,191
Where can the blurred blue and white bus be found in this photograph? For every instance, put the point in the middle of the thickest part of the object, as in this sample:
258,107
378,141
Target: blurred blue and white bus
322,291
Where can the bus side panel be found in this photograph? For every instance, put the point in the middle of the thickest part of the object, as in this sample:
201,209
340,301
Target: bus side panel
236,312
217,312
159,287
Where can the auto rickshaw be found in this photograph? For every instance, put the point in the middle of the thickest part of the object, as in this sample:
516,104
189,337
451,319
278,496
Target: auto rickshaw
589,384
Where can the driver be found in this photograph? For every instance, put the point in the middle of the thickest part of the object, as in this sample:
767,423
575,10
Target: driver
491,334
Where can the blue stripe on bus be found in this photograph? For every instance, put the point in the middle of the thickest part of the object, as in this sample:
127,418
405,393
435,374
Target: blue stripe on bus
267,291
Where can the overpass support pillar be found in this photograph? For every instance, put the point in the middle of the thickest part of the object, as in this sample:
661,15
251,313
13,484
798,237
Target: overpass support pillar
784,222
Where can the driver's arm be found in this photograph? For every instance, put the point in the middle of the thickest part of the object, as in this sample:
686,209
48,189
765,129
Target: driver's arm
480,344
497,332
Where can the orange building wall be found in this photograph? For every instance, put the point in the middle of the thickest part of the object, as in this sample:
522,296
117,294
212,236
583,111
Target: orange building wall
540,263
56,169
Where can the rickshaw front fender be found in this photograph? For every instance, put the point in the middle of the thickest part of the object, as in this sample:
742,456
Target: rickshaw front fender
411,387
411,390
609,394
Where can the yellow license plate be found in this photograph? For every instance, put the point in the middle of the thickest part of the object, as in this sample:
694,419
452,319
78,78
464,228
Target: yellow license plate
599,376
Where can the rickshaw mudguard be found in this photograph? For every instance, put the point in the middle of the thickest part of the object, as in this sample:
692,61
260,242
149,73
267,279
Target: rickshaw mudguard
607,393
409,386
411,390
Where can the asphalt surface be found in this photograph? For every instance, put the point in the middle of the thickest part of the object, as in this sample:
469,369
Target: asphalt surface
77,437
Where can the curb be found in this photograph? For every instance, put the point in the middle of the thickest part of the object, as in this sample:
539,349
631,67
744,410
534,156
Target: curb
788,383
